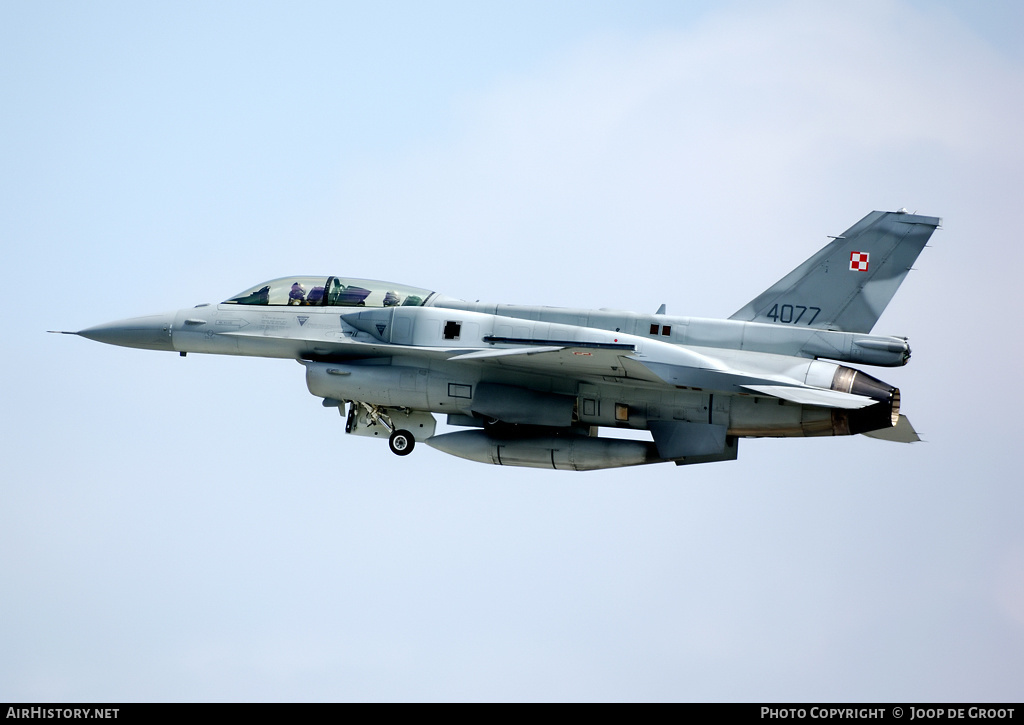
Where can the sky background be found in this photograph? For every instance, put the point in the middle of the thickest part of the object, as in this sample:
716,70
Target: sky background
202,529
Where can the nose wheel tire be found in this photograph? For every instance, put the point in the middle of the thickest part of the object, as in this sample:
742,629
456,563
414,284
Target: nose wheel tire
401,442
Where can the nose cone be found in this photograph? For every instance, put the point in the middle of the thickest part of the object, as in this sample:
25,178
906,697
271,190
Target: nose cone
149,333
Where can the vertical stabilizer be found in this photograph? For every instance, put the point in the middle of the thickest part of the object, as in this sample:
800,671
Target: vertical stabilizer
848,283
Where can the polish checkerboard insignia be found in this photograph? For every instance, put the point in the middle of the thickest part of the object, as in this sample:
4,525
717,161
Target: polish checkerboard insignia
859,261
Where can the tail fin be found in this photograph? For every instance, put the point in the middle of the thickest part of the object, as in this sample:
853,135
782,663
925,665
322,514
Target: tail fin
848,283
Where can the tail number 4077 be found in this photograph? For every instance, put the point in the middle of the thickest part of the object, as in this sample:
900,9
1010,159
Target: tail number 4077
793,314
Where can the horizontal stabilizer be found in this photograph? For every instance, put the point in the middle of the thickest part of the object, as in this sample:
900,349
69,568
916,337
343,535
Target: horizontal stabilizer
814,396
902,432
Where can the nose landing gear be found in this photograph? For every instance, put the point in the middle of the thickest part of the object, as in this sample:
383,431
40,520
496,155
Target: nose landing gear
401,441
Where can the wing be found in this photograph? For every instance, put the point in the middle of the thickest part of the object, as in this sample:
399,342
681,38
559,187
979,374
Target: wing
660,364
687,369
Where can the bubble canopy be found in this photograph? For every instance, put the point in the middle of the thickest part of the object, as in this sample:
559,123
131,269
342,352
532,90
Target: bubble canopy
330,292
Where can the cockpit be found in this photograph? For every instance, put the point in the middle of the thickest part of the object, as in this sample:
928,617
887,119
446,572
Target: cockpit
331,291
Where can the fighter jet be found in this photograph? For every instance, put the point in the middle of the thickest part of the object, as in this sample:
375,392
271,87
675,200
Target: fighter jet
546,387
